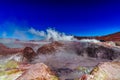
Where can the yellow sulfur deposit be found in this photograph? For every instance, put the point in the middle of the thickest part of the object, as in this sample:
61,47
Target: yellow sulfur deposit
9,70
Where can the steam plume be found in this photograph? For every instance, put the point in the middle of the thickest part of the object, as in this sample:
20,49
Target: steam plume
51,34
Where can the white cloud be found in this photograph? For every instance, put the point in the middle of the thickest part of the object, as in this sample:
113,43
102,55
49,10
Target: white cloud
51,34
36,32
90,40
25,33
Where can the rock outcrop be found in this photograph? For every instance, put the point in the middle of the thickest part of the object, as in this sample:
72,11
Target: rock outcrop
49,48
100,51
97,51
28,54
38,71
13,70
104,71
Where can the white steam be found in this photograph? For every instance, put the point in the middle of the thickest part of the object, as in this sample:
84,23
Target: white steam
90,40
37,32
52,35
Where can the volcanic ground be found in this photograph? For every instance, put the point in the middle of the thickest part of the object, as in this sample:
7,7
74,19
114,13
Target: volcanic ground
69,60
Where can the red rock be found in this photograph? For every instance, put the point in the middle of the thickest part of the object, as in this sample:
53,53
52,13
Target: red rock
49,48
110,37
8,51
28,53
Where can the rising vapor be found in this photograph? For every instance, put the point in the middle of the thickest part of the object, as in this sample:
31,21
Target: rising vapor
37,32
12,30
51,34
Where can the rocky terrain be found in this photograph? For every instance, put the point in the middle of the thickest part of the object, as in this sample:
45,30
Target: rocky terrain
59,60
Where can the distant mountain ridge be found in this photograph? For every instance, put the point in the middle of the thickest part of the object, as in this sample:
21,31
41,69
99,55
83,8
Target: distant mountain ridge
109,37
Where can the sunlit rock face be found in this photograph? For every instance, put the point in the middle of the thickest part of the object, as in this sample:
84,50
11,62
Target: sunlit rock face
13,70
104,71
49,48
38,71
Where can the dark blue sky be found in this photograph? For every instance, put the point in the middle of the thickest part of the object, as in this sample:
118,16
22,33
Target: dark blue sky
76,17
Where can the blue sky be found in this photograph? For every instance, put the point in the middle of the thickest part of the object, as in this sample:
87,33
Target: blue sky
75,17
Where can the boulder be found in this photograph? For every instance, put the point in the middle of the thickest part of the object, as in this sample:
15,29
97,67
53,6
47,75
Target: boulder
28,54
38,71
104,71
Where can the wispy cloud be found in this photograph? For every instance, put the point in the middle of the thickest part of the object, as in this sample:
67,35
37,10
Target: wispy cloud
36,32
20,34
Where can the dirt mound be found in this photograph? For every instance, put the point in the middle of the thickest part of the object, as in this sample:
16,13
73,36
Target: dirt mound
104,71
49,48
28,53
